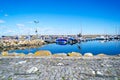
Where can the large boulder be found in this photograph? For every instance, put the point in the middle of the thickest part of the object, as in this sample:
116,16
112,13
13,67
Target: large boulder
32,70
21,54
75,54
42,53
13,54
118,55
101,55
30,54
5,53
88,55
60,55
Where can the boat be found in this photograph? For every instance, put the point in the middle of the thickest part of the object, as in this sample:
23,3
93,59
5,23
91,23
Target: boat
100,38
61,41
116,37
72,40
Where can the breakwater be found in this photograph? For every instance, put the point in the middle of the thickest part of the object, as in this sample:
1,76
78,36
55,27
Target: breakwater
48,53
60,68
19,44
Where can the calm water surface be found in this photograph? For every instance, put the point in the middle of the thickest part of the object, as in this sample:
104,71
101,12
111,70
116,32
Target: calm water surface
95,47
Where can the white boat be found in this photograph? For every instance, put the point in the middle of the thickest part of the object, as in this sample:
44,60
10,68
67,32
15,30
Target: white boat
100,38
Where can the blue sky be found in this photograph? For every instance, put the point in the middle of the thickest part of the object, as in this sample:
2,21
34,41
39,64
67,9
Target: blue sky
59,16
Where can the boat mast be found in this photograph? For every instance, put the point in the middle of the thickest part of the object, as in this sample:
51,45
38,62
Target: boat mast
81,30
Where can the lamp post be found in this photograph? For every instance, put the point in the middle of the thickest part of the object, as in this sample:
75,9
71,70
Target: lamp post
36,31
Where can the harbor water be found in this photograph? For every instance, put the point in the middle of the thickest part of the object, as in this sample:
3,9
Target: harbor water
95,47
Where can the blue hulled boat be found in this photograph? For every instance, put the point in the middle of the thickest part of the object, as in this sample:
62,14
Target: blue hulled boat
61,41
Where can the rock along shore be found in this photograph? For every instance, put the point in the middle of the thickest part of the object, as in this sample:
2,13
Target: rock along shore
59,68
6,45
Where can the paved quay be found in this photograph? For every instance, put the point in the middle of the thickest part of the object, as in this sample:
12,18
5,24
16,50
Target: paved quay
60,68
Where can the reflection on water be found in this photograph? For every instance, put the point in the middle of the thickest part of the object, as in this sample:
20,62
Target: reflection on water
78,46
95,47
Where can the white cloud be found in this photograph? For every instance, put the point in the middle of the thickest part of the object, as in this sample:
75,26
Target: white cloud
46,30
20,25
2,21
10,31
6,15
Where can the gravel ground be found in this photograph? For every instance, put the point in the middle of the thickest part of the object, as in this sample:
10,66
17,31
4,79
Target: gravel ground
58,68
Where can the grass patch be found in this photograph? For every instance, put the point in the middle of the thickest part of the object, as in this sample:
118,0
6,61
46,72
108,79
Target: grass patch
10,78
63,78
0,62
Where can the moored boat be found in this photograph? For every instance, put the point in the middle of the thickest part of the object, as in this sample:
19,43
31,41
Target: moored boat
61,41
72,40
